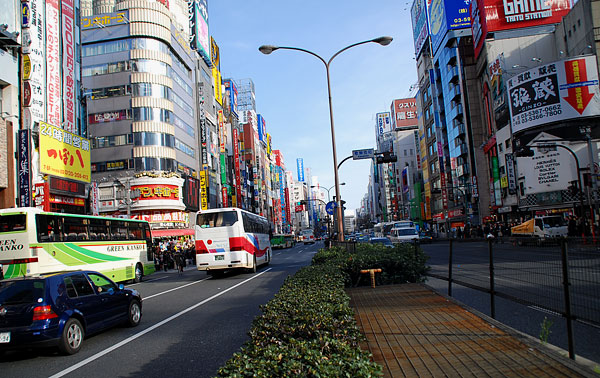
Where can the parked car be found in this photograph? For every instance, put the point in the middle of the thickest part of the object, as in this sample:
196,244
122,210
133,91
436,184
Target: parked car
382,240
61,309
425,237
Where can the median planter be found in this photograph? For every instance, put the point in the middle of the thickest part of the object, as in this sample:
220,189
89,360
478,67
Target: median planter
308,329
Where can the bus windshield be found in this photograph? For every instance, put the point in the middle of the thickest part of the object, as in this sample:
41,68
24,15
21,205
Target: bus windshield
220,219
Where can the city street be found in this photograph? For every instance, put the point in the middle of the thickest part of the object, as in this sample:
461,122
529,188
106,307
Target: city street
529,273
191,325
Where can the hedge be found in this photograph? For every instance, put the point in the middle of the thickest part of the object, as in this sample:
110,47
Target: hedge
308,328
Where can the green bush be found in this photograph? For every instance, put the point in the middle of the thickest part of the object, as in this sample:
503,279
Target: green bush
400,264
307,329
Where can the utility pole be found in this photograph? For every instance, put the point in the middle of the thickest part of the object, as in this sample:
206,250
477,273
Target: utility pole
587,132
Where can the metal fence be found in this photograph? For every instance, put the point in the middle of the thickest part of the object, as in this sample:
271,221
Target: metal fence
559,275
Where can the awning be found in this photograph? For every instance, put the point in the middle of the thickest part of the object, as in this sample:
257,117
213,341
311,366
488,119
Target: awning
172,232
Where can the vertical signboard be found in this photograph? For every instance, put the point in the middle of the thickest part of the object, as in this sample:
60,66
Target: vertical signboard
225,197
404,114
199,39
232,93
41,196
68,56
384,124
418,14
300,167
222,136
23,164
34,50
203,144
217,82
203,191
94,198
510,173
53,103
223,168
236,159
478,26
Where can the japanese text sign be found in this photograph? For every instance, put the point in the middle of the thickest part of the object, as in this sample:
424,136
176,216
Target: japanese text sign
64,154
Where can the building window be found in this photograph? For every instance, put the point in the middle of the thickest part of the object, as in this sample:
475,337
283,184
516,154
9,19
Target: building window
120,90
112,141
184,148
153,139
155,164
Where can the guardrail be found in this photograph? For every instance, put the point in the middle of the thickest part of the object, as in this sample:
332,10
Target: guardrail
558,275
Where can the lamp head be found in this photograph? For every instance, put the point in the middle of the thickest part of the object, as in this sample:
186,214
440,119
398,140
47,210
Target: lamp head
267,49
383,41
342,183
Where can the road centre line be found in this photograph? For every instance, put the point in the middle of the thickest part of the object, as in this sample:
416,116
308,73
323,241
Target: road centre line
152,328
175,288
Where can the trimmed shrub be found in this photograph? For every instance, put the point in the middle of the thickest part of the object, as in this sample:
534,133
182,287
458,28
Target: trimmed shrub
307,329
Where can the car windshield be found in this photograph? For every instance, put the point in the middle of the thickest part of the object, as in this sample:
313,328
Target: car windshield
222,219
381,241
406,231
21,291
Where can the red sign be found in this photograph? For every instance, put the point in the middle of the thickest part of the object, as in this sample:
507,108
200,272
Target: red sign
236,159
404,114
67,200
41,196
578,97
225,198
157,192
299,208
494,15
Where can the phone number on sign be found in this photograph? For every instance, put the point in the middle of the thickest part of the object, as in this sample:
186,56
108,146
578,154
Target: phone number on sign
537,114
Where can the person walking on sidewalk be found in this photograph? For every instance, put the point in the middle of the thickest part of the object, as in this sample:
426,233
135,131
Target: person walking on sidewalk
179,262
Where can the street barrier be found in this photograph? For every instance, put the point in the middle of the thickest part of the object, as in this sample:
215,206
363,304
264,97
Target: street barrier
560,275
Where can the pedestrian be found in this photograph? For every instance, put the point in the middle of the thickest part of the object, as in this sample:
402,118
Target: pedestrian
179,262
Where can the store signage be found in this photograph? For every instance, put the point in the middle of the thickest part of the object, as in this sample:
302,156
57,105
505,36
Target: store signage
64,200
64,154
225,197
191,193
163,219
554,92
384,124
26,94
547,172
34,45
203,190
23,168
157,192
107,19
117,115
25,15
94,197
510,173
404,114
62,186
26,67
236,159
300,168
41,196
53,69
68,65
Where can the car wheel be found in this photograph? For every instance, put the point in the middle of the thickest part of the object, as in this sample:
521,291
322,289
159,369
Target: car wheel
71,338
134,315
139,273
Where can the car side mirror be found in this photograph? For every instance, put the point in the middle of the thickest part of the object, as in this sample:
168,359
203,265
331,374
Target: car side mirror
121,286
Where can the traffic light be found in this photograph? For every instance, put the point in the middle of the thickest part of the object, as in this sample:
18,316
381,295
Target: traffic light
387,157
524,152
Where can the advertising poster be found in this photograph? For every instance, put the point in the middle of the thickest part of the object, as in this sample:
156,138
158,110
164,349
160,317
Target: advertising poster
300,168
199,38
53,70
404,114
35,35
497,86
68,66
384,124
447,15
547,172
23,164
64,154
552,92
418,14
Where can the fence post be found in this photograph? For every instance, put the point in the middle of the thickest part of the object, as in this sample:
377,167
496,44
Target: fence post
566,284
450,269
492,288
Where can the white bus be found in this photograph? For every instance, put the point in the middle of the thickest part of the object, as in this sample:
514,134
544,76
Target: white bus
33,242
231,238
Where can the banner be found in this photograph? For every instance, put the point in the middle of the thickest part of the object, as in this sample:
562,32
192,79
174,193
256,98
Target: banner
53,73
94,198
68,62
300,167
34,50
203,191
64,154
23,164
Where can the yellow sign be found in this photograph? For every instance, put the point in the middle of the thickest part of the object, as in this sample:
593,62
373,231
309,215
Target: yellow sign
217,83
64,154
26,67
107,19
203,191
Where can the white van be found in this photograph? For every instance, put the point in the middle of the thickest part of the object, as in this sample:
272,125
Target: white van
307,237
404,235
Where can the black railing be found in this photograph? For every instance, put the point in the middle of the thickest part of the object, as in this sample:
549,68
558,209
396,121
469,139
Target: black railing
558,275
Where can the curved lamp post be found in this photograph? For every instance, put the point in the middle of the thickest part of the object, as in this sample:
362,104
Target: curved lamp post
324,188
267,49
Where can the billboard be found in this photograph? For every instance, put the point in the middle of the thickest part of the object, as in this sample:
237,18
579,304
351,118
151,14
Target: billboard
64,154
34,50
215,56
547,172
232,93
68,66
199,40
23,164
478,25
418,13
262,129
447,15
404,114
300,168
552,92
513,14
53,71
222,135
216,74
384,123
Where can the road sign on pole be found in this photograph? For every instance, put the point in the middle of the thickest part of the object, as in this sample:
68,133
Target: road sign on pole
366,153
330,207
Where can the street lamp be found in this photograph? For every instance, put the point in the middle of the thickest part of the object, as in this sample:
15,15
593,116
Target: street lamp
267,49
322,187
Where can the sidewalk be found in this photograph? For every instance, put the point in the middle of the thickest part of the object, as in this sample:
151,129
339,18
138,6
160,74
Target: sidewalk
413,331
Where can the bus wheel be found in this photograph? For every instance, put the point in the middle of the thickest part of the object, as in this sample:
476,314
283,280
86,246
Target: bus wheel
139,273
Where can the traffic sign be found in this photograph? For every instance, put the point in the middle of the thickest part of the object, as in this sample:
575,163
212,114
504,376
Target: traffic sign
330,207
366,153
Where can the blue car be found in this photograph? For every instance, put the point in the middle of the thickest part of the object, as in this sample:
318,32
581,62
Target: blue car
61,309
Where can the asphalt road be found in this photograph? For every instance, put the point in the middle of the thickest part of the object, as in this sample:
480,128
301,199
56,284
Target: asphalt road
191,325
532,273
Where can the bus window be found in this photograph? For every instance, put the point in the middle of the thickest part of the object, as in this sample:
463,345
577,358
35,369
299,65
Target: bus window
118,230
75,229
98,229
13,222
220,219
48,228
135,231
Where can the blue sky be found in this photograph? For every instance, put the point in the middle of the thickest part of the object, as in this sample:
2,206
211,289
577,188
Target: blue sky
291,86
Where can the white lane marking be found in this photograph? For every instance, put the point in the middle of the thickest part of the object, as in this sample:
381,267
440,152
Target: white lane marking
175,288
150,329
156,279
